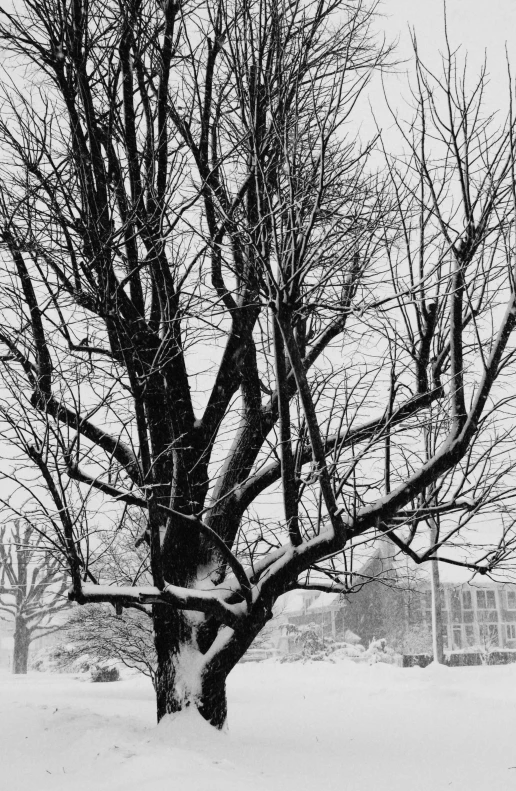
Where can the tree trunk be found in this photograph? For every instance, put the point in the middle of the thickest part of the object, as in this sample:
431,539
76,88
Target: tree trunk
21,646
180,681
437,617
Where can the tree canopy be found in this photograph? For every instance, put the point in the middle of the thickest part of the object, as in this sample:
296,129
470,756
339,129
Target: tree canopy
214,294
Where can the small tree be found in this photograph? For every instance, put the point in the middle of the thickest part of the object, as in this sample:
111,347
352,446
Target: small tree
103,632
33,586
99,635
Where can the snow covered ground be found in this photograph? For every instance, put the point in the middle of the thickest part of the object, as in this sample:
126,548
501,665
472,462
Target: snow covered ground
313,727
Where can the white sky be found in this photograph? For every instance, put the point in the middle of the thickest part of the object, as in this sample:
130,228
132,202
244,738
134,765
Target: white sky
478,27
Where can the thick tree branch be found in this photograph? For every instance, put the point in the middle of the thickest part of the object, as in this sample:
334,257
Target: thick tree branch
271,473
75,473
180,598
227,555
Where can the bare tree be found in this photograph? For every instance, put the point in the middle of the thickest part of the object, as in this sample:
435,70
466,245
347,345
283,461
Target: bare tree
96,634
99,633
211,300
455,192
33,587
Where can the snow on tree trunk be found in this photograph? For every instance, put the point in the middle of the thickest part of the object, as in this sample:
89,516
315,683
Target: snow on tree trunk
180,679
21,647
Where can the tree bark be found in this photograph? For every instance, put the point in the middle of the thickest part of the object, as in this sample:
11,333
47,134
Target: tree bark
21,647
181,680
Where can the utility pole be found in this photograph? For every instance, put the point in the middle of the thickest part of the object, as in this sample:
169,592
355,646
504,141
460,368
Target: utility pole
437,616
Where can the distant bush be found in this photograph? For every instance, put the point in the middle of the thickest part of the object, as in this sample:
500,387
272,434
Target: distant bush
60,658
101,674
315,647
310,641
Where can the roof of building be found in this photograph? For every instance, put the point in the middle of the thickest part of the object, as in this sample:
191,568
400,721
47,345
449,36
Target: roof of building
391,566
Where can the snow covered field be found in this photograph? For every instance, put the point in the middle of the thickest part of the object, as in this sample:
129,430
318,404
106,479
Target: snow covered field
313,727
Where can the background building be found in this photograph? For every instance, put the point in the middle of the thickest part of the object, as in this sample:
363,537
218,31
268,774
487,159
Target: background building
395,603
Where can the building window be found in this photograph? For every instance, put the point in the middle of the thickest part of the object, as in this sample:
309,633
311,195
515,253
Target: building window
456,607
511,631
511,600
467,601
486,600
489,634
457,639
470,636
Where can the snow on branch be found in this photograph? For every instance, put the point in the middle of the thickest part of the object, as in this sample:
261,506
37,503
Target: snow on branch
181,598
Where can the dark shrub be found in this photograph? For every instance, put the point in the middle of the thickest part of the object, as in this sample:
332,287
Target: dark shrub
105,674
